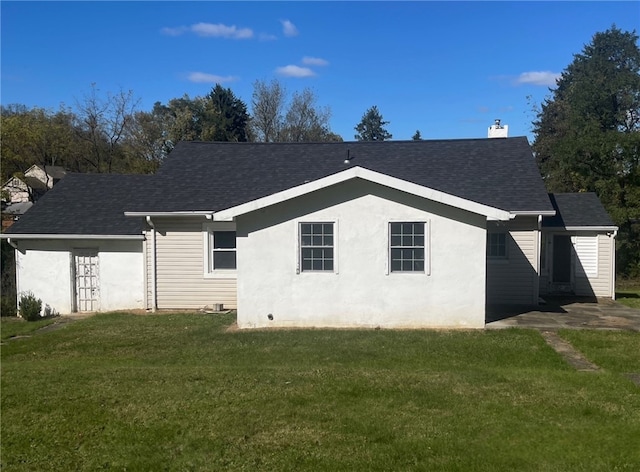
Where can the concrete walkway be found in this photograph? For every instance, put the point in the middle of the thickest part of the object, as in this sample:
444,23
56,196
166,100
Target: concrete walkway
571,313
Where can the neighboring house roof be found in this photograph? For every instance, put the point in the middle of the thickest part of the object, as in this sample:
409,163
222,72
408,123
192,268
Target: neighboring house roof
85,204
55,172
578,210
17,208
201,176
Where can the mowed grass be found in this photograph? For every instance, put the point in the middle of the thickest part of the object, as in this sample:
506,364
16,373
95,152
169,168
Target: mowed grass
14,326
628,293
182,392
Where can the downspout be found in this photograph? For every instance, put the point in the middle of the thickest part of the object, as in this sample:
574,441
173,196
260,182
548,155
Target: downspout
613,265
153,265
16,253
536,283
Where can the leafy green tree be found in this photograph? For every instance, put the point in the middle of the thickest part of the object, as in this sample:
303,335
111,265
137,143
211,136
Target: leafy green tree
225,116
417,136
38,136
372,126
587,134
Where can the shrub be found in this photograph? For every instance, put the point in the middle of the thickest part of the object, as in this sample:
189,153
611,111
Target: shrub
30,307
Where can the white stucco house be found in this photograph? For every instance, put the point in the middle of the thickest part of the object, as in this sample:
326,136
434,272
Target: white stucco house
399,234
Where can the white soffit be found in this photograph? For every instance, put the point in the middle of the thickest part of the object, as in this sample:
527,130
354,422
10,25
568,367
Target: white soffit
371,176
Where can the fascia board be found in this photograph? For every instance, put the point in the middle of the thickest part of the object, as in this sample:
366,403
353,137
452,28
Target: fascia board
534,213
73,236
168,213
590,228
372,176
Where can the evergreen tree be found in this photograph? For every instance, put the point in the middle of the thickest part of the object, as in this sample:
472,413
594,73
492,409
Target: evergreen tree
372,126
587,134
225,116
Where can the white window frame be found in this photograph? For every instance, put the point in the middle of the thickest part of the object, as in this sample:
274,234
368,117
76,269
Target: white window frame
208,231
426,248
499,257
299,246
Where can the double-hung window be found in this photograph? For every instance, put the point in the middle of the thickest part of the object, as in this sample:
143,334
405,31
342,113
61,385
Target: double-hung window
223,250
316,247
497,245
407,247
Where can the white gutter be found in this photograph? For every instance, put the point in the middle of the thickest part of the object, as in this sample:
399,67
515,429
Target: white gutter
183,214
533,213
73,236
12,243
153,265
590,228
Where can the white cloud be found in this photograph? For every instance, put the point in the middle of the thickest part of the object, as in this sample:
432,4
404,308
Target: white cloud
295,71
543,78
288,28
210,30
221,31
204,78
174,31
314,61
267,37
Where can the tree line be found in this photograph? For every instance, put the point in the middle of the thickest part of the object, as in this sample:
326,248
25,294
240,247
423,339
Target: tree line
109,133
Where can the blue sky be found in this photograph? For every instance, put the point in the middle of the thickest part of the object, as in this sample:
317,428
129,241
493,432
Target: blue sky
446,68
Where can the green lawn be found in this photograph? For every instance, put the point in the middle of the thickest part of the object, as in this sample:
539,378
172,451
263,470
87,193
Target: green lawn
628,293
14,326
181,392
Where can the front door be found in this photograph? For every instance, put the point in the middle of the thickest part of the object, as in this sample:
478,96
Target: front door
561,263
86,275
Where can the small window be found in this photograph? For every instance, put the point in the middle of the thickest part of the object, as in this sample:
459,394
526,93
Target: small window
407,247
316,247
223,254
497,245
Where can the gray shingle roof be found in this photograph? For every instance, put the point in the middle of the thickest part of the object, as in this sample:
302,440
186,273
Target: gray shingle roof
85,204
198,176
201,176
577,210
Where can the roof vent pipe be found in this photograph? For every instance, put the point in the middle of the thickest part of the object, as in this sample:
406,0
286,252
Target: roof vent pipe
348,159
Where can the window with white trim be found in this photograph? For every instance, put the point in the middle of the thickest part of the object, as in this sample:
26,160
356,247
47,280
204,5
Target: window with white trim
223,250
316,247
496,245
407,247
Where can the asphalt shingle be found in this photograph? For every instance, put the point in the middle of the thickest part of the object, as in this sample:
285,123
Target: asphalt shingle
86,204
577,210
501,173
199,176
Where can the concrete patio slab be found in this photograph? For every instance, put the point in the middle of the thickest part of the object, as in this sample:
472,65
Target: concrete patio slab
571,313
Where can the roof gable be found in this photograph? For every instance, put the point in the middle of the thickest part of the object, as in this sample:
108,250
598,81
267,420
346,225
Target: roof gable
371,176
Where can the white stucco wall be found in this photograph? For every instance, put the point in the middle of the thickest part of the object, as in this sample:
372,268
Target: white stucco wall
44,268
362,292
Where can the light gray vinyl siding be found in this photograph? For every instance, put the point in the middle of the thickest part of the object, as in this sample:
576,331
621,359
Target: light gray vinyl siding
599,284
514,280
180,268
